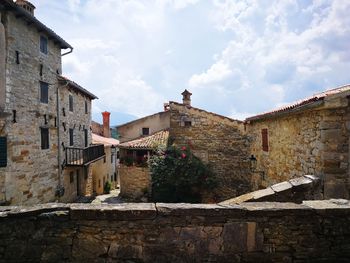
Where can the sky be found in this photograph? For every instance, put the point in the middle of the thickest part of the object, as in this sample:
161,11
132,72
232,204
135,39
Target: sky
238,58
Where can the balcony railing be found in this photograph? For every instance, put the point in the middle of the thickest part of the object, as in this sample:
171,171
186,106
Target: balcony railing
84,156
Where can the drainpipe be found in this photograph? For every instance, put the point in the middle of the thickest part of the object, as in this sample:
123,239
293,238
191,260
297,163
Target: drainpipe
70,51
60,189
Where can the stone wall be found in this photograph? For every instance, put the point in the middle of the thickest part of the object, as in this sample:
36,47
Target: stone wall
314,141
218,141
316,231
133,130
102,171
31,173
135,182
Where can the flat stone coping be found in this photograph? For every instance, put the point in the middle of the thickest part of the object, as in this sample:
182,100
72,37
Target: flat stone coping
144,211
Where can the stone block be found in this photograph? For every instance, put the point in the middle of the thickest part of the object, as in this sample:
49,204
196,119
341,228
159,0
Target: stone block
300,181
235,237
335,189
332,135
129,211
281,187
264,193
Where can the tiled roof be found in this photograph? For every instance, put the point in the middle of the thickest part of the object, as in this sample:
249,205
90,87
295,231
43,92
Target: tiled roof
300,103
208,112
21,13
148,142
97,139
77,87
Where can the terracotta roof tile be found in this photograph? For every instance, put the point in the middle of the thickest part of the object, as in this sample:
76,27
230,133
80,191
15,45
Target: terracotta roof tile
147,142
300,103
97,139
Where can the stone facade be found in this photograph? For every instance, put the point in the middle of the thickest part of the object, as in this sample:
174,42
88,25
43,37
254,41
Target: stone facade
32,174
311,141
132,130
104,170
135,182
316,231
219,141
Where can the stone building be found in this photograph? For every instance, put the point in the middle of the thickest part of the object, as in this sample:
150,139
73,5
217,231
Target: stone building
217,140
310,136
105,169
44,117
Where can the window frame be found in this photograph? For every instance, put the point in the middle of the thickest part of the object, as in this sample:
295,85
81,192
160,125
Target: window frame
43,45
44,85
145,129
71,103
45,138
3,152
265,139
71,137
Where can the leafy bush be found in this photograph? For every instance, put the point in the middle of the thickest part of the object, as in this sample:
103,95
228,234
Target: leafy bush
179,176
107,187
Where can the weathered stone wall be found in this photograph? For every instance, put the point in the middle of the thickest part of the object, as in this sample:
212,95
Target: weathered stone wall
2,66
77,120
309,142
156,122
31,173
217,140
102,171
135,182
317,231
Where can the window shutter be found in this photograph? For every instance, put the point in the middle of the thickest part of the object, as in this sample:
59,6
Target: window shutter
265,140
44,138
3,151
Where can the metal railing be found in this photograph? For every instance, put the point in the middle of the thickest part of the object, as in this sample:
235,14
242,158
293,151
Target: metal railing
82,156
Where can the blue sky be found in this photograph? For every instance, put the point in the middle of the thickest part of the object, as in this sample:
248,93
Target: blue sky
238,58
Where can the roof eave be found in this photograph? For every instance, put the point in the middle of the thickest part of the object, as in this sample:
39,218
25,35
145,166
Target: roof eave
277,114
21,13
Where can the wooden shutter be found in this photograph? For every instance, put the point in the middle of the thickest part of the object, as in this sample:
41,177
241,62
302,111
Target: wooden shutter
3,151
265,140
70,103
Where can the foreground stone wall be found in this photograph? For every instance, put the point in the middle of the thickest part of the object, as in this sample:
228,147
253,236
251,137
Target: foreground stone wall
316,231
135,182
218,141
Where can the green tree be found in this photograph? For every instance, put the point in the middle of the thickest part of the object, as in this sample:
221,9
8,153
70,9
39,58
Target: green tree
179,176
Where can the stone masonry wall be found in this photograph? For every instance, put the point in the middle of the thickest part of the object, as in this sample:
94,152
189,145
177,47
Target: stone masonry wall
218,141
316,231
294,146
135,182
77,120
31,173
310,142
103,171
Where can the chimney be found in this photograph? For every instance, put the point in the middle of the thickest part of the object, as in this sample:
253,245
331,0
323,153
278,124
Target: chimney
106,129
186,99
26,5
166,106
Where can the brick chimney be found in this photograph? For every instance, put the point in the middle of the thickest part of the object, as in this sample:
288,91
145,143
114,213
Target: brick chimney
186,97
26,5
106,129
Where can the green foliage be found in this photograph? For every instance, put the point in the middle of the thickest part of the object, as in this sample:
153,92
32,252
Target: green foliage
107,187
179,176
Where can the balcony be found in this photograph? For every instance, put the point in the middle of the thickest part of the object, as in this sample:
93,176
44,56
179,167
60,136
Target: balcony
84,156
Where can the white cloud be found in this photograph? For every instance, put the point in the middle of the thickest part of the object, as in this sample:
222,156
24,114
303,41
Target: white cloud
216,73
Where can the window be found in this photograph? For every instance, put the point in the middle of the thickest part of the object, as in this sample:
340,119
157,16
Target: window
44,92
3,151
71,177
99,183
86,107
71,137
44,138
265,140
86,137
145,131
104,159
43,44
188,123
112,157
70,103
